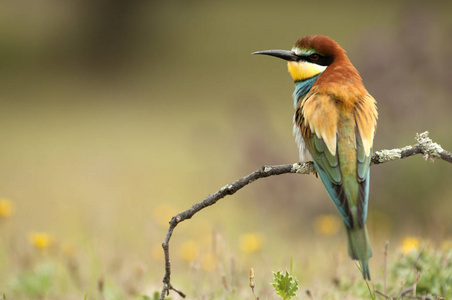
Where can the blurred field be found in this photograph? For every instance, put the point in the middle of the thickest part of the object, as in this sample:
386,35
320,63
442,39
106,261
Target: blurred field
114,116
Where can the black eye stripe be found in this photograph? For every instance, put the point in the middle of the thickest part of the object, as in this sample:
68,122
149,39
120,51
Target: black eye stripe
322,60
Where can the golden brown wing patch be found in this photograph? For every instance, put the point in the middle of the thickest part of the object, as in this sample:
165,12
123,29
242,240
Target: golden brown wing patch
320,114
366,119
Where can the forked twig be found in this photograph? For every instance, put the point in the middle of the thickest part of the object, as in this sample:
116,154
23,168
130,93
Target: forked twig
424,146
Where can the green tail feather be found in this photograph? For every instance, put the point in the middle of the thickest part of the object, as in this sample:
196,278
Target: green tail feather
359,248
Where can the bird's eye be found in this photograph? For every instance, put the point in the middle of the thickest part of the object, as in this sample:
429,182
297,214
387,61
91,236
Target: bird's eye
314,57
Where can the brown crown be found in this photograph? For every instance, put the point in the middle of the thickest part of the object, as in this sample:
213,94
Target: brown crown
320,43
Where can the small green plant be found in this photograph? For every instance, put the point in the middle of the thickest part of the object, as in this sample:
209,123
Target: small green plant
35,283
285,285
434,266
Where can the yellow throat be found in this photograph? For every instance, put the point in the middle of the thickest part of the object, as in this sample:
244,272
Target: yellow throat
302,70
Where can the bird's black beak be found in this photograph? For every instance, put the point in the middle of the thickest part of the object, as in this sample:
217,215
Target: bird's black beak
284,54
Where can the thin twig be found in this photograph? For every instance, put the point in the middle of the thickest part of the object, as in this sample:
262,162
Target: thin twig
417,278
265,171
424,146
383,294
406,291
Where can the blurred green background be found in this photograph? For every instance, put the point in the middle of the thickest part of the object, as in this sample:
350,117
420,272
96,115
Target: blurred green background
116,115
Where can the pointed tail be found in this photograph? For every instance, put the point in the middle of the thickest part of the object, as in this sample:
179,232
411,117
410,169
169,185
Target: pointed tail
359,248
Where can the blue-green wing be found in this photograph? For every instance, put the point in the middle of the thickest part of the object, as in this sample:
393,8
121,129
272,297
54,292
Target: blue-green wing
328,168
363,172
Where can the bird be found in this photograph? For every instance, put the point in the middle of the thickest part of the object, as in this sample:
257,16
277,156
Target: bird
334,126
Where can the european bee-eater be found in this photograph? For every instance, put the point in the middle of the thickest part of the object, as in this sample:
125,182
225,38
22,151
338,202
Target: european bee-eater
334,125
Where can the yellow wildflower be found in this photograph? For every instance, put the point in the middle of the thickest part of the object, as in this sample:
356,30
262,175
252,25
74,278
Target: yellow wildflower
6,208
189,250
410,244
40,240
250,242
327,224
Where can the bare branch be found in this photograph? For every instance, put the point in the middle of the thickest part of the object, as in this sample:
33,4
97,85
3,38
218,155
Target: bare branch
424,146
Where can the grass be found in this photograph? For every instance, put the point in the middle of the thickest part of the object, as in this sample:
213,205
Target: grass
44,266
217,271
